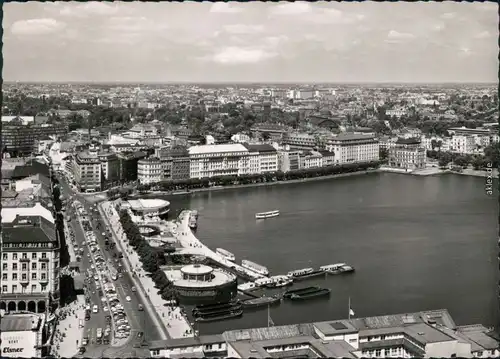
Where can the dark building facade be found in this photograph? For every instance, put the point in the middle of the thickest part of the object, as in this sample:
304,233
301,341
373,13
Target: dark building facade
21,139
128,165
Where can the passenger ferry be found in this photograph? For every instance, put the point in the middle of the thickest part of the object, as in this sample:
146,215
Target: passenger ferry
300,272
279,281
254,267
263,282
270,214
337,268
226,254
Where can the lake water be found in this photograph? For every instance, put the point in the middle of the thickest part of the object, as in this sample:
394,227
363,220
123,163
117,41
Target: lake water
417,243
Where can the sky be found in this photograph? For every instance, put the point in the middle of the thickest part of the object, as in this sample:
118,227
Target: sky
336,42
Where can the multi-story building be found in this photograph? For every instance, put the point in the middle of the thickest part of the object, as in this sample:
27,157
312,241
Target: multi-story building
275,132
300,140
110,166
149,170
218,160
353,148
175,162
288,160
21,139
87,171
311,159
328,157
263,158
408,154
387,142
411,335
463,144
22,335
128,165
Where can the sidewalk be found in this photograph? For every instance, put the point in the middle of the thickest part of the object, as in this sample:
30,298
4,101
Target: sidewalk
177,325
68,337
67,233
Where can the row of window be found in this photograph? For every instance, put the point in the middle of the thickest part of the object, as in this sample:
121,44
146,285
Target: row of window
34,255
24,276
24,266
26,245
15,288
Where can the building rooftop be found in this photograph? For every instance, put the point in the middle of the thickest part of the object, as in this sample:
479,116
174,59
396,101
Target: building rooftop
20,322
336,327
352,137
478,334
28,229
9,213
425,333
222,148
186,342
259,147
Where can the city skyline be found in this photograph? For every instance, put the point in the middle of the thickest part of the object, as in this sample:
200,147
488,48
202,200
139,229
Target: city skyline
254,42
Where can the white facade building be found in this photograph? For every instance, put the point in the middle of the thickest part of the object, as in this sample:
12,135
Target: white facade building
463,144
351,148
22,335
218,160
149,170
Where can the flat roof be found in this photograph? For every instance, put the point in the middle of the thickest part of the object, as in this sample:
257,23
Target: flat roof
197,269
220,277
20,322
221,148
9,214
478,334
352,137
186,342
335,327
424,333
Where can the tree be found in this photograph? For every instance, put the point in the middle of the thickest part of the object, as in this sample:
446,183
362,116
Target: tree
443,162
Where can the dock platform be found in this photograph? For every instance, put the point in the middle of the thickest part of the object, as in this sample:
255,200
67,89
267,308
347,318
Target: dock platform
192,245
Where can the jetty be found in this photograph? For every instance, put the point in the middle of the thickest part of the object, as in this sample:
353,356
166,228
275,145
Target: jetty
193,246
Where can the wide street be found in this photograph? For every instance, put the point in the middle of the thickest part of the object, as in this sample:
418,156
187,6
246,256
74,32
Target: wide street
139,321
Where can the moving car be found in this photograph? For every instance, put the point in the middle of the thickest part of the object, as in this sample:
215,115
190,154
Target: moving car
95,309
128,299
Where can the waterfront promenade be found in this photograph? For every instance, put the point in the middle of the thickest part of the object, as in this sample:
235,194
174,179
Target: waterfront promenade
192,245
170,320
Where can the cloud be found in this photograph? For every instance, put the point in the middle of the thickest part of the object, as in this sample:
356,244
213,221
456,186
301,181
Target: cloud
438,27
222,7
448,15
134,24
36,27
295,8
395,36
240,55
88,9
483,35
243,29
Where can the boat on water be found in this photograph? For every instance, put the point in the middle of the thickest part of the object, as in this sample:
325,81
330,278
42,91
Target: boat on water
261,302
254,267
279,281
203,307
313,274
270,214
213,311
299,272
288,294
247,286
226,254
220,316
337,268
194,213
321,292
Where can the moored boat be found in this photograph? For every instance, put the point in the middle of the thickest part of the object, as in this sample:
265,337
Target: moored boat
321,292
337,268
211,306
247,286
261,302
193,222
226,254
220,316
214,311
254,267
291,292
279,281
312,274
270,214
299,272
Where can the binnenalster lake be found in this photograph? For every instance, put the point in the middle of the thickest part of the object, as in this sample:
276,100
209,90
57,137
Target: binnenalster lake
417,243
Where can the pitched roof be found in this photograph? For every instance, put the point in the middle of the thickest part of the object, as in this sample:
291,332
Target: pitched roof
259,148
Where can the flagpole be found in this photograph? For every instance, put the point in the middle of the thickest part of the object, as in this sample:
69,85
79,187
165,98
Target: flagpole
349,317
